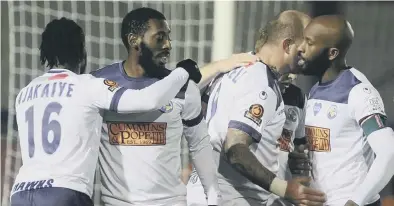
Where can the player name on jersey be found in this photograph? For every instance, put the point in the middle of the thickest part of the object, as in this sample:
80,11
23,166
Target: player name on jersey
137,133
53,89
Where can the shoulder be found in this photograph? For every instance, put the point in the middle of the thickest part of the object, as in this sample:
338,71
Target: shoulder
293,96
339,90
107,71
257,75
189,92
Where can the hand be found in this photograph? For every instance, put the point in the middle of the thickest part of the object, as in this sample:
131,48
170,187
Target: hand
300,195
237,60
192,68
350,203
299,163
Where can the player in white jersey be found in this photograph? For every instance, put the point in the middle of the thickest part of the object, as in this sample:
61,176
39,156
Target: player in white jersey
245,115
345,119
293,134
59,120
140,153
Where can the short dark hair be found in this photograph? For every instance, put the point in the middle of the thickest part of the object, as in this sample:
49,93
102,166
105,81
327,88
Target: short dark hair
136,22
62,43
290,26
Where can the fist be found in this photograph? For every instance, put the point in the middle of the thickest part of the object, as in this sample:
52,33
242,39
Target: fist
192,68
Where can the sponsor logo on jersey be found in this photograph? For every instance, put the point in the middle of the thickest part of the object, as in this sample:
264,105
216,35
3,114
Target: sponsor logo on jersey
112,85
30,185
291,115
318,139
285,140
316,108
263,95
367,90
255,113
167,108
137,133
332,112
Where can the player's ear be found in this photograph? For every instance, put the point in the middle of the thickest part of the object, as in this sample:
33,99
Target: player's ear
333,53
286,45
134,41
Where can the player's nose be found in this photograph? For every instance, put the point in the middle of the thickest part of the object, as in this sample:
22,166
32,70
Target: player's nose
167,45
301,48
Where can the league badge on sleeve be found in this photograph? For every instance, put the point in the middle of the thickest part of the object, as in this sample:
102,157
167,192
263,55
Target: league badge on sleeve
255,113
291,114
112,85
167,108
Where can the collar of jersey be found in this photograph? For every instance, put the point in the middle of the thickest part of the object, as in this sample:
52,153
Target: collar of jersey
274,73
58,71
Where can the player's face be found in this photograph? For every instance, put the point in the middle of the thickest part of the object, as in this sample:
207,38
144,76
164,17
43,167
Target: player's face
157,40
312,53
292,58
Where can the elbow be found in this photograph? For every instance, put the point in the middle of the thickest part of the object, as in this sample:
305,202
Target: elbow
153,105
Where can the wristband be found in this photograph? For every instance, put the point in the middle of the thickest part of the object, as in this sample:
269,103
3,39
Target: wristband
278,187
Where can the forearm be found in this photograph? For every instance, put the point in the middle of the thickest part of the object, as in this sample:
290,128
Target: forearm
381,170
244,161
209,72
152,97
202,158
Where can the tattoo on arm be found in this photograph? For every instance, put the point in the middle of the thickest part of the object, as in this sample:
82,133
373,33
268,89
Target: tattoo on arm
243,160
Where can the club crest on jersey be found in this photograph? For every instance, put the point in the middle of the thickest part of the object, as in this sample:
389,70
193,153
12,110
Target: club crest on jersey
112,85
316,108
255,113
332,112
291,114
167,108
263,95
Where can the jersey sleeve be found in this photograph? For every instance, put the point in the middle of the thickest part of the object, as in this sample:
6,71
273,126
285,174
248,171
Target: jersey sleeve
106,94
253,109
364,100
192,112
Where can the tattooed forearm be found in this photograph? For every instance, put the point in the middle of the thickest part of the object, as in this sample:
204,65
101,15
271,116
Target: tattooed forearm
243,160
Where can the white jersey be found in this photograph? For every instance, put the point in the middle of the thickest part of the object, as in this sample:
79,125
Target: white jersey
247,99
59,124
295,103
59,127
140,153
341,155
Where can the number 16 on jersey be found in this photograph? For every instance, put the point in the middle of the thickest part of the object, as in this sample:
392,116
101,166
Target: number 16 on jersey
49,133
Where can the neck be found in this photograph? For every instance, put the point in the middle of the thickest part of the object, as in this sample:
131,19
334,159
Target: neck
333,71
132,68
267,55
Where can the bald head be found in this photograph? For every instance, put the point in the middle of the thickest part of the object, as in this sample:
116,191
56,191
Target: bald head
287,25
333,31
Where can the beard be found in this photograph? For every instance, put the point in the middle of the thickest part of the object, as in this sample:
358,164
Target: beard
150,67
317,65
